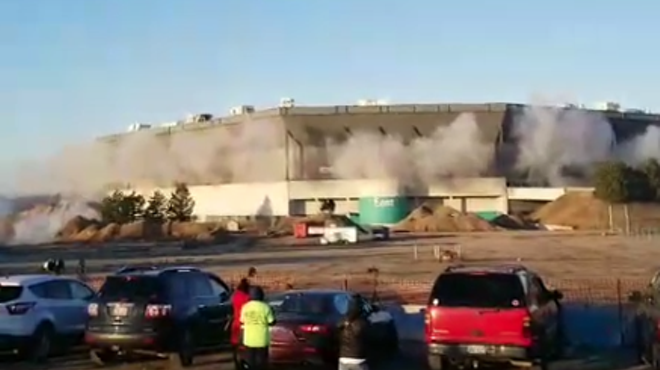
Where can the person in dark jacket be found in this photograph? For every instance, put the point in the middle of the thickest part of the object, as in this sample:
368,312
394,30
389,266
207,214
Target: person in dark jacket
256,319
353,339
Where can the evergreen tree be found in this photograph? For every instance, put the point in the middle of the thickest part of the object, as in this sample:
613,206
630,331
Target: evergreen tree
181,205
109,208
156,207
651,170
612,182
131,208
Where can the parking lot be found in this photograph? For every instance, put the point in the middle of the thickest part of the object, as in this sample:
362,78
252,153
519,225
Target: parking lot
583,259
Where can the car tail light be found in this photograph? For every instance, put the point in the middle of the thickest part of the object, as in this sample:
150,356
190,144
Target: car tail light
20,308
93,310
157,310
527,327
317,329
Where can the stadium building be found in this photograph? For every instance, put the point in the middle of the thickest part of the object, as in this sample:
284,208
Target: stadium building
296,177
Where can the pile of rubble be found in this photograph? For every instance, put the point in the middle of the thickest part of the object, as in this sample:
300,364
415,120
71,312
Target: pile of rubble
439,218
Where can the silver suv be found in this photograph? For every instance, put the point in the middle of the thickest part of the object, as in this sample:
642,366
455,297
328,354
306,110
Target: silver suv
38,311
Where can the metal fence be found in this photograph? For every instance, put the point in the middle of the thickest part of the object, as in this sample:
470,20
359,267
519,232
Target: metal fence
591,291
597,310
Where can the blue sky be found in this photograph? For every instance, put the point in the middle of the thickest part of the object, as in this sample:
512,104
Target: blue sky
71,70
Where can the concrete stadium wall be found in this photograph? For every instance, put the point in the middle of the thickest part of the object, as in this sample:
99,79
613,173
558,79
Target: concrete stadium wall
302,197
250,199
478,204
542,194
467,195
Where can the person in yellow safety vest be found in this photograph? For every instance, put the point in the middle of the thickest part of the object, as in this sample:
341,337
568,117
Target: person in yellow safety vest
256,319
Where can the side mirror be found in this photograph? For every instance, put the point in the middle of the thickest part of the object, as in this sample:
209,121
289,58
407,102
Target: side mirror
553,295
557,295
224,296
635,297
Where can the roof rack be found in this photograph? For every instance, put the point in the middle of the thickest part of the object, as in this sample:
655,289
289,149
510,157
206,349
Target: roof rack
138,268
509,268
180,269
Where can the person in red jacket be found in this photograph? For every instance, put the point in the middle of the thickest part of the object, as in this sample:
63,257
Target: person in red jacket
238,300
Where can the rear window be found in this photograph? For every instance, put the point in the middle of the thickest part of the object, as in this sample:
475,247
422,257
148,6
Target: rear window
10,293
131,288
478,291
301,303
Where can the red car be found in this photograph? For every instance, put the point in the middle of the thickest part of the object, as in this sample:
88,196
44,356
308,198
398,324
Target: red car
492,314
305,332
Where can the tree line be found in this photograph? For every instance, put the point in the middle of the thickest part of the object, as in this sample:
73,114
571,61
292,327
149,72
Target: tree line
617,182
121,208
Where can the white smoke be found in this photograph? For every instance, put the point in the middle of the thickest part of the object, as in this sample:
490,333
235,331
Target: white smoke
456,150
551,139
84,173
41,225
642,147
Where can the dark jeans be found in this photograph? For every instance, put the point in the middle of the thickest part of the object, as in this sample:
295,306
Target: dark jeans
255,358
236,356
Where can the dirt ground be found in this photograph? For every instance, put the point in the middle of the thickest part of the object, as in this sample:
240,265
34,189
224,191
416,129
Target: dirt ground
556,255
588,266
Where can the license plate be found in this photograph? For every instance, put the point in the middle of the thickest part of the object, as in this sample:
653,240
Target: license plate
476,350
120,310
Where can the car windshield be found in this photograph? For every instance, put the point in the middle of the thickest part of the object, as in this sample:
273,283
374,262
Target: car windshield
478,290
300,303
131,288
10,293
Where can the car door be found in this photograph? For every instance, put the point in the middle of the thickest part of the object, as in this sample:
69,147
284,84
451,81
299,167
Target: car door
208,326
648,317
375,329
543,310
58,297
81,295
221,313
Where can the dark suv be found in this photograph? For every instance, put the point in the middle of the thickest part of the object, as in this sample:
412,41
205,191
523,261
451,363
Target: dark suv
486,314
168,311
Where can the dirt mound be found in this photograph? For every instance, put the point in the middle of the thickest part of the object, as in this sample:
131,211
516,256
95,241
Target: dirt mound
6,229
80,229
432,217
107,233
73,227
583,211
579,210
87,234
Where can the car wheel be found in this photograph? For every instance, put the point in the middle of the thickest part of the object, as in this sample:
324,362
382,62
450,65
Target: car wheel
41,343
185,349
437,362
102,358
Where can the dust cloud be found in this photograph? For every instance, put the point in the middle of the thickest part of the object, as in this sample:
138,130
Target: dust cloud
84,173
559,146
455,150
